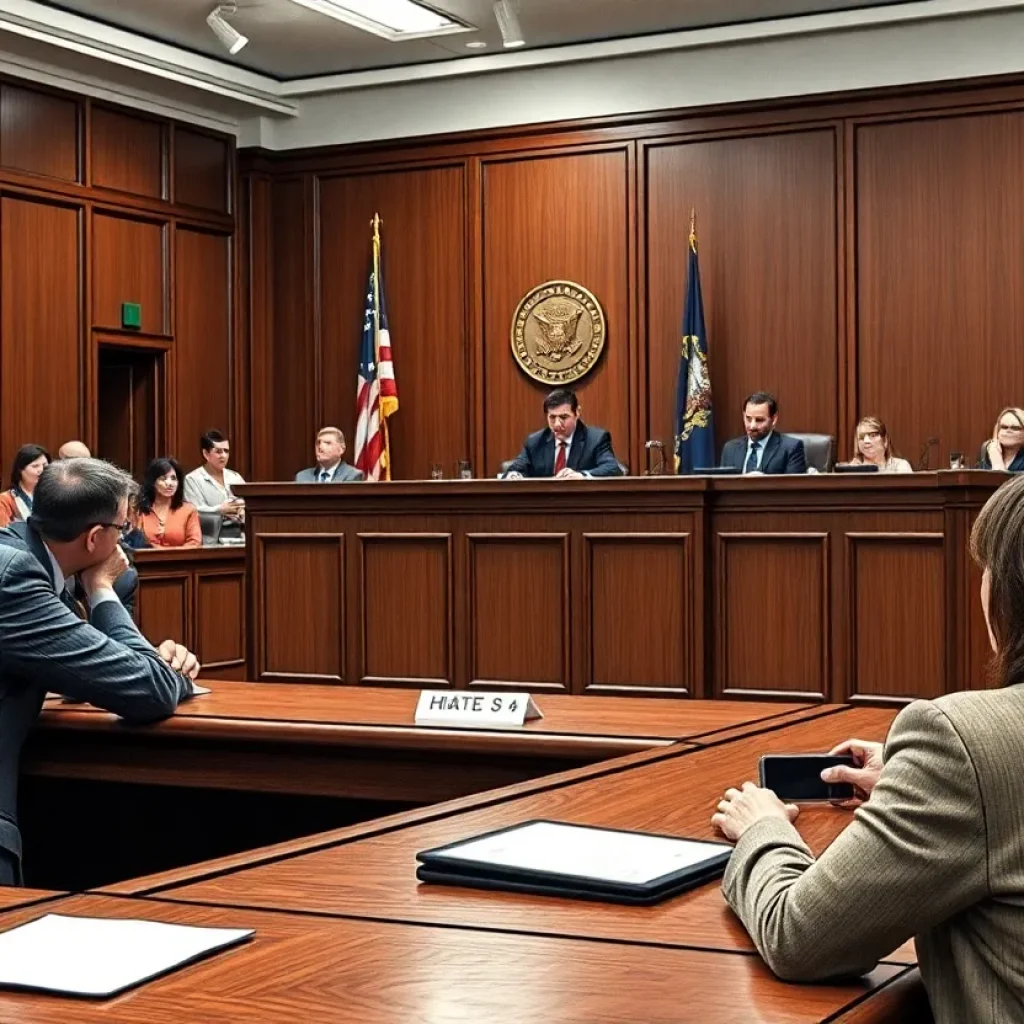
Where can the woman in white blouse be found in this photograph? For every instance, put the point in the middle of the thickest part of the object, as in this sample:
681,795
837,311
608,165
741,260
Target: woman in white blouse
874,448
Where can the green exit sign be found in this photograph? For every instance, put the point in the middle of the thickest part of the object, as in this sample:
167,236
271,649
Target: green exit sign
131,315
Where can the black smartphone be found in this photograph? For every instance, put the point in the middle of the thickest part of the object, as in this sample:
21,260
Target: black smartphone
796,778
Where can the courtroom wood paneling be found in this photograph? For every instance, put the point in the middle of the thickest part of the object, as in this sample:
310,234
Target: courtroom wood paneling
520,602
300,606
405,594
898,588
645,641
201,169
773,624
940,302
129,265
424,278
128,153
163,608
766,222
220,633
39,133
562,217
293,409
41,338
203,342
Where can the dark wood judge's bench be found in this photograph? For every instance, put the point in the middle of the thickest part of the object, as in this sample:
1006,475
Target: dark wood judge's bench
817,588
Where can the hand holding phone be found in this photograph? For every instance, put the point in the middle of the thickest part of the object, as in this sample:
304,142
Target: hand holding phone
796,778
868,762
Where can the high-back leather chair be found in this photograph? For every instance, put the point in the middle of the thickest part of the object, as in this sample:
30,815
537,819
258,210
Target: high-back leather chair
819,450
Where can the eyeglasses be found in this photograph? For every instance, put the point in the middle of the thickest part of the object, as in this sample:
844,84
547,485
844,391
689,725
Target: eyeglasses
120,527
1016,428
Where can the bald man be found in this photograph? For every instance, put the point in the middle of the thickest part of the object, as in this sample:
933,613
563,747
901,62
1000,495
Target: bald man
73,450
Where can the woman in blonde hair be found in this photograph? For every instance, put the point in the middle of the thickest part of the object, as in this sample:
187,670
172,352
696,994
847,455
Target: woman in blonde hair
1006,449
873,447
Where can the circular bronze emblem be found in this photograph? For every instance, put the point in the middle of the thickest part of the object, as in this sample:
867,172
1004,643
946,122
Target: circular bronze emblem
558,332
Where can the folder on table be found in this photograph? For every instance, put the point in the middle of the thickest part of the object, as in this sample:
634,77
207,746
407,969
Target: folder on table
579,861
100,957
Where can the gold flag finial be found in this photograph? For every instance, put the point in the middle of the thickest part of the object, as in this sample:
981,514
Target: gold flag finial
375,224
693,229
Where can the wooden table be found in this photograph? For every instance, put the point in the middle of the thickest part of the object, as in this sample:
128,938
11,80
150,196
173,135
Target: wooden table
362,743
344,932
336,971
13,898
373,875
669,586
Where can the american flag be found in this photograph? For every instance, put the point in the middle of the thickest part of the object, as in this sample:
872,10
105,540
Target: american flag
376,392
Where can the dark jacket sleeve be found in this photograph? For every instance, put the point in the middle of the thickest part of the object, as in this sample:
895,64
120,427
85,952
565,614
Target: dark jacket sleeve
106,661
796,458
521,463
126,587
732,454
605,463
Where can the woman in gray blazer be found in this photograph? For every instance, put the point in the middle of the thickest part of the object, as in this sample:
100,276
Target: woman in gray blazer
936,849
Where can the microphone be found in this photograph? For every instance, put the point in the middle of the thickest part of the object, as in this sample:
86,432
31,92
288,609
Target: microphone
923,462
659,466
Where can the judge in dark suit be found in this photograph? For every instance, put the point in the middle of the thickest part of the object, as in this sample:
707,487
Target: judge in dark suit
567,448
763,450
330,467
79,509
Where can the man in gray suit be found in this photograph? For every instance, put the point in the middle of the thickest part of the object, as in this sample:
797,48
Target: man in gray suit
330,467
80,508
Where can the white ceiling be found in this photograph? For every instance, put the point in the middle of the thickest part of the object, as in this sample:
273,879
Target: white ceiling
288,41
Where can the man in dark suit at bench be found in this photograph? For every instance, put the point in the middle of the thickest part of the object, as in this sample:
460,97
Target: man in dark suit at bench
763,449
566,448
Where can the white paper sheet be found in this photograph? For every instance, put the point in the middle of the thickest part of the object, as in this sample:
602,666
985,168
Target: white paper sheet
584,852
91,956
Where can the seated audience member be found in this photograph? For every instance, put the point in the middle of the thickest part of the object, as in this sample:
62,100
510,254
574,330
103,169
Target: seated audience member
80,507
566,448
166,519
73,450
763,450
330,468
208,488
1006,449
29,463
936,851
873,447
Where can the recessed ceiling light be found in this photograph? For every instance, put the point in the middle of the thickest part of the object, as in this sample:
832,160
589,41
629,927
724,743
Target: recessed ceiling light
476,44
392,19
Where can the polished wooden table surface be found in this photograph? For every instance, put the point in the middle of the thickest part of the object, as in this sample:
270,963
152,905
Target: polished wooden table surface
14,897
345,933
300,967
362,741
373,875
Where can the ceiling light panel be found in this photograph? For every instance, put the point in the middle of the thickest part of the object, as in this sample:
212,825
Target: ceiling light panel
391,19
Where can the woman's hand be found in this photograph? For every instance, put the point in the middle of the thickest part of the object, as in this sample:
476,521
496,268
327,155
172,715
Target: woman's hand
740,808
867,757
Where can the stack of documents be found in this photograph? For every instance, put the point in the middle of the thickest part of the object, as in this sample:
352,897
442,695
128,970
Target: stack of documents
558,859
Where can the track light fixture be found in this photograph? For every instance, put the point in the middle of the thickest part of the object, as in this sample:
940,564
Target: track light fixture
508,23
231,39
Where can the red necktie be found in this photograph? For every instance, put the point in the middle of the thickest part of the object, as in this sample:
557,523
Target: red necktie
560,458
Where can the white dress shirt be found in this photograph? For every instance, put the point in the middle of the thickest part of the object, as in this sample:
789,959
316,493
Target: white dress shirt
205,493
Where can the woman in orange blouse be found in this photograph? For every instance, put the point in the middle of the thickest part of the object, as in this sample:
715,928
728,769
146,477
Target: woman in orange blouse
29,463
167,520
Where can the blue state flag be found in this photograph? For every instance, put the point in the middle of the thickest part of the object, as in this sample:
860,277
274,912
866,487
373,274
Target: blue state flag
694,427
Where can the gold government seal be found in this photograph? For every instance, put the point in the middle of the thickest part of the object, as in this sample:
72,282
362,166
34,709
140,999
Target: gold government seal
558,332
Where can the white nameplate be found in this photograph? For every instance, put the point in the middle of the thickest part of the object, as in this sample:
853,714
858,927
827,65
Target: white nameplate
476,710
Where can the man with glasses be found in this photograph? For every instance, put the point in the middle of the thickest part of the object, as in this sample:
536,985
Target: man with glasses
79,511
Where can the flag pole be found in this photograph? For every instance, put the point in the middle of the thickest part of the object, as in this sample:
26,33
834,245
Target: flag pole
376,225
693,229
